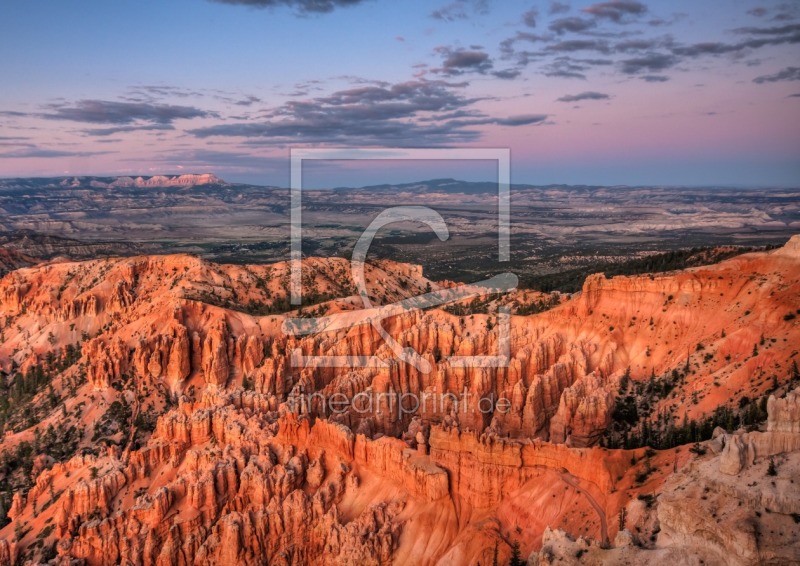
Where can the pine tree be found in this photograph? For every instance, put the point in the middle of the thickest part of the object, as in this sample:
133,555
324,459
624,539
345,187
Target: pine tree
772,470
516,556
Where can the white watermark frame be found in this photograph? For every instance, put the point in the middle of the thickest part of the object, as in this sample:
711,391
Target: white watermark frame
501,283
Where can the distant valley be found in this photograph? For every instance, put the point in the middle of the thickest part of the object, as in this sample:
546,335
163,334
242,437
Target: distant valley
555,227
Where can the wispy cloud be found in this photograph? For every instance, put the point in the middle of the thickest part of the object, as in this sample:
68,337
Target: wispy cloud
787,74
617,11
651,62
588,95
37,152
460,10
558,8
112,112
125,129
300,6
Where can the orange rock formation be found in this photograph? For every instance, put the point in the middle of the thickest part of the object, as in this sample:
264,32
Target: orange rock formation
246,460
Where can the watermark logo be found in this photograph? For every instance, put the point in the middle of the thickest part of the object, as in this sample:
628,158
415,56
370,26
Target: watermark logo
373,315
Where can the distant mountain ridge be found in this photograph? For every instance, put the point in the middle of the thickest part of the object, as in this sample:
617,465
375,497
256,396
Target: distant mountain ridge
187,180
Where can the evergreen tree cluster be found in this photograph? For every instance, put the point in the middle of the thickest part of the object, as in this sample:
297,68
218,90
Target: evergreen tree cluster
633,424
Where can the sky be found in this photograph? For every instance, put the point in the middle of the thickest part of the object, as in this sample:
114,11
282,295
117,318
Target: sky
702,92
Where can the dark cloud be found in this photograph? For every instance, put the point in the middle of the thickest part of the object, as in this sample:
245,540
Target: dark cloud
588,95
788,29
759,12
617,10
507,74
110,112
760,37
300,6
529,17
794,95
654,78
558,8
572,24
579,45
787,74
460,61
411,113
650,62
460,10
706,48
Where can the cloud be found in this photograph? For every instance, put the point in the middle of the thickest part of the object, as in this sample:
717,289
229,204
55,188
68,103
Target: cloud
794,95
150,91
787,74
36,152
507,45
775,30
460,61
110,112
124,129
760,37
405,114
639,54
637,45
579,45
507,74
247,101
572,68
523,120
588,95
654,78
529,17
758,12
571,24
460,10
300,6
651,62
617,10
558,8
706,48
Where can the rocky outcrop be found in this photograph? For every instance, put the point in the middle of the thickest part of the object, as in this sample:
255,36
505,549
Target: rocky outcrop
742,449
784,414
186,180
